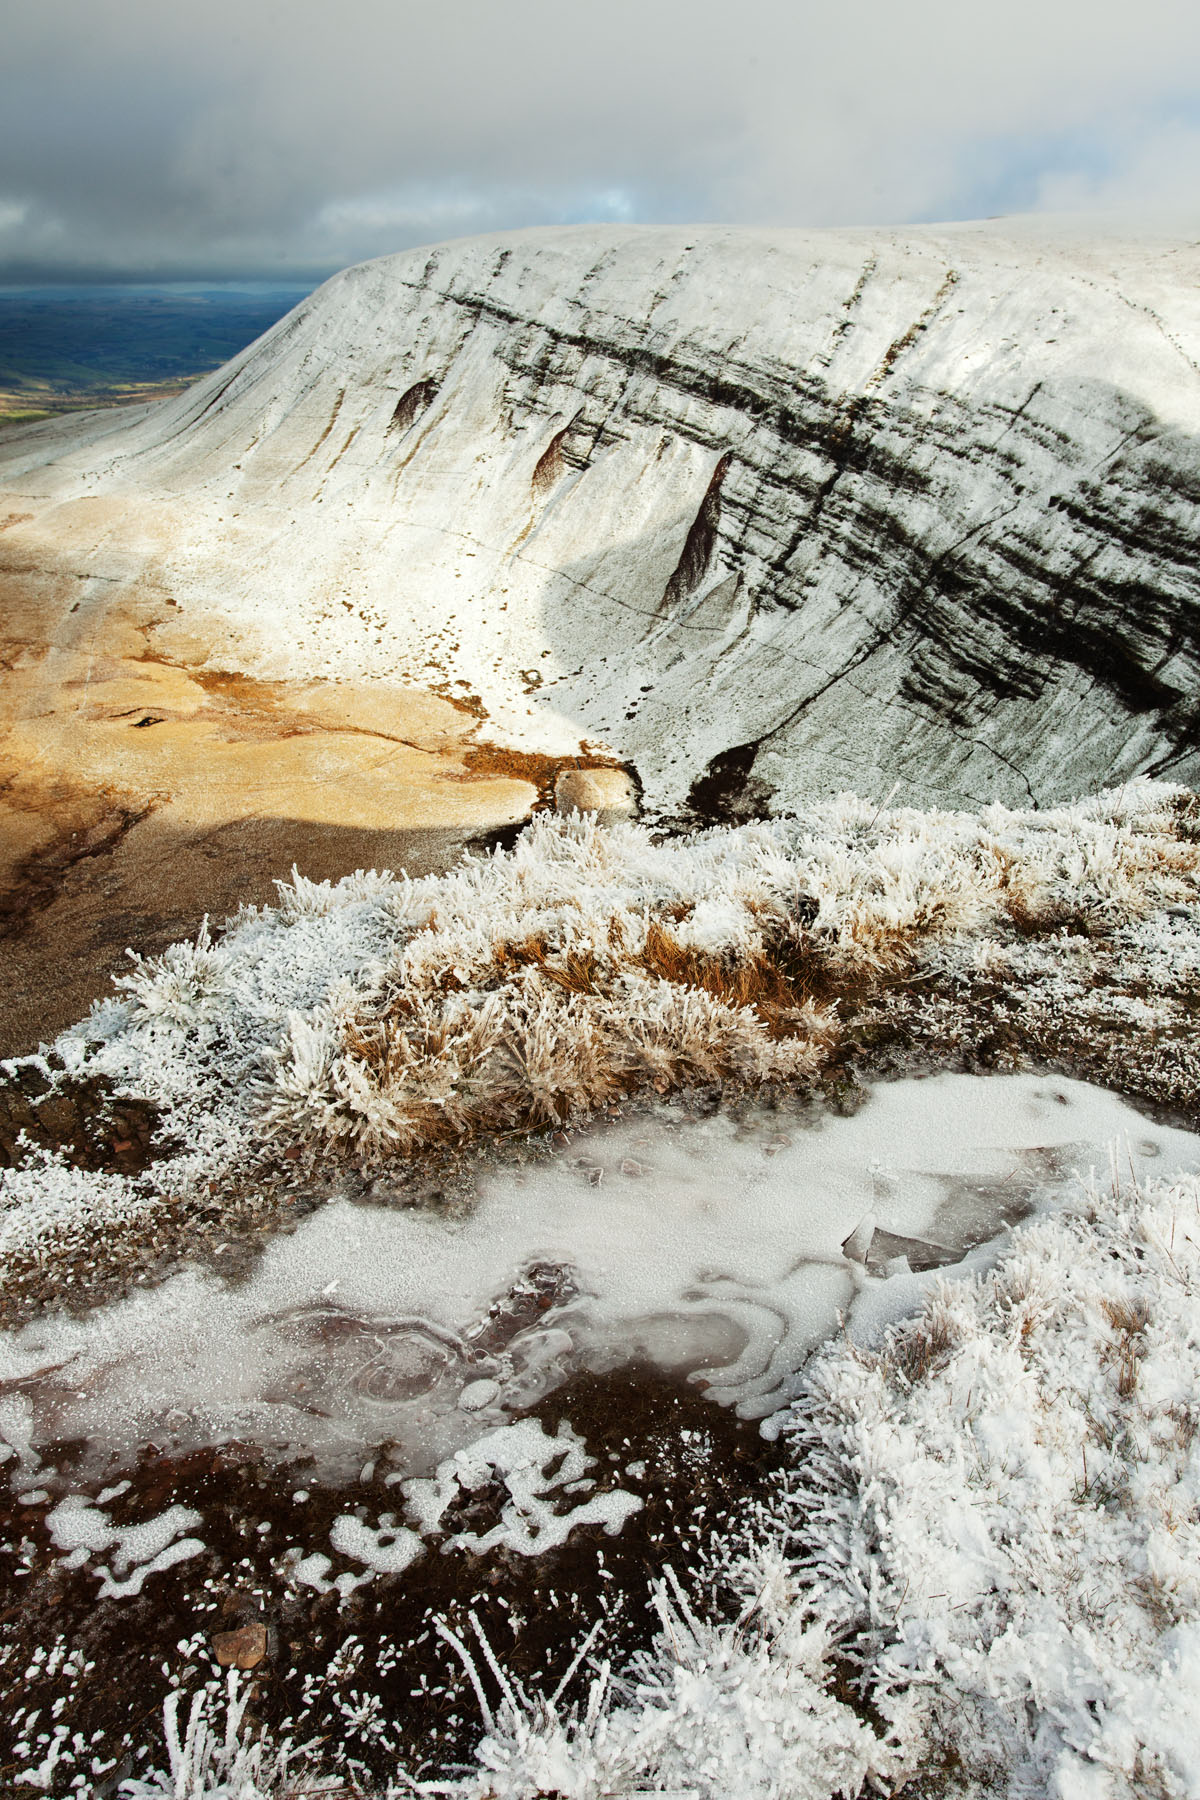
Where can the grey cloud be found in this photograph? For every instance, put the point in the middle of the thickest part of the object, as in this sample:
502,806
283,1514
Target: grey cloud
259,137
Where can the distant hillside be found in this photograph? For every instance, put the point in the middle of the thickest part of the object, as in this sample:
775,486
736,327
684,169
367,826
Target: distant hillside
65,348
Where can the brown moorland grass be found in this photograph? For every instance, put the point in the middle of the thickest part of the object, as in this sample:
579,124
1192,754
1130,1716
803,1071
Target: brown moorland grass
779,984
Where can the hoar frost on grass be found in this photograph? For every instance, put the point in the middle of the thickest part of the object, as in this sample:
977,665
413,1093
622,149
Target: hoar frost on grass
45,1205
379,1015
990,1534
998,1512
213,1759
1126,1007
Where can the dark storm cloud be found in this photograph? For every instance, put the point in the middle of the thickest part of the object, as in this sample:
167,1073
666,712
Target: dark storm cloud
270,137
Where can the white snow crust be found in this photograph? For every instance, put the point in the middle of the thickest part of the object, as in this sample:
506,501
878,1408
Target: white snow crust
83,1529
534,1469
532,1464
385,1549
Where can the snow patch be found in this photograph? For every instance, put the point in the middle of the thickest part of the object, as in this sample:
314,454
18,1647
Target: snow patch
84,1530
386,1549
531,1465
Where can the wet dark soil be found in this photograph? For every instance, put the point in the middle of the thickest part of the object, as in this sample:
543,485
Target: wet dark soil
726,793
366,1674
87,1121
38,879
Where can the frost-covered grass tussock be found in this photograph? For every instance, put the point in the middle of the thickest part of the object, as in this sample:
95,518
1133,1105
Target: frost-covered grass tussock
379,1015
982,1571
998,1512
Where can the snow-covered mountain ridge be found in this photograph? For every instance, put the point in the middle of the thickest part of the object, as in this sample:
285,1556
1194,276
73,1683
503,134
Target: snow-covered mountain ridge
795,511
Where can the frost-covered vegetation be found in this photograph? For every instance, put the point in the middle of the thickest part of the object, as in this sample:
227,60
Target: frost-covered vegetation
378,1015
983,1568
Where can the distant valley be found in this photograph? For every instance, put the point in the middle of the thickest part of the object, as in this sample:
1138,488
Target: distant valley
62,349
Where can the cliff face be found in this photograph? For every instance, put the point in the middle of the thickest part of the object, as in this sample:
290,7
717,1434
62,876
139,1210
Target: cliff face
768,514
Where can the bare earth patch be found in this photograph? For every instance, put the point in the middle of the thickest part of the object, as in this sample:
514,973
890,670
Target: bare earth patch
140,791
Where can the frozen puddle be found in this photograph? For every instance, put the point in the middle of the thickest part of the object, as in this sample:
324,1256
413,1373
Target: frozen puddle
722,1247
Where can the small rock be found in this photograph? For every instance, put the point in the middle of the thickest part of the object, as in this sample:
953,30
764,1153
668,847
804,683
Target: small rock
241,1649
478,1394
609,793
58,1116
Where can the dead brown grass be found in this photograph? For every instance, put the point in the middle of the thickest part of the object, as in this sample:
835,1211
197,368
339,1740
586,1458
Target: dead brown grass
1032,910
1129,1320
1187,817
576,971
922,1349
757,982
1128,1316
780,995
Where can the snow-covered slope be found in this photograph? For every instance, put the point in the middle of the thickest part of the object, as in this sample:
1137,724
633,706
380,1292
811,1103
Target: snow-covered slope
798,510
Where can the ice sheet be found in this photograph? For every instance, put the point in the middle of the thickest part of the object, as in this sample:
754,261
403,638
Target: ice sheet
712,1245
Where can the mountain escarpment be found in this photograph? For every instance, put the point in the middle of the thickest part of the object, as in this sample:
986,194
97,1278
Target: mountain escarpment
765,514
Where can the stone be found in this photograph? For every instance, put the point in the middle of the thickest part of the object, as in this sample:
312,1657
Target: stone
609,793
243,1648
478,1394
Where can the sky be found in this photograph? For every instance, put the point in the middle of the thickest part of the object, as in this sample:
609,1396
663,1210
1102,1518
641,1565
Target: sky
283,139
